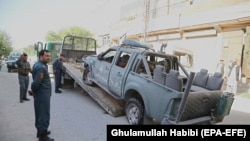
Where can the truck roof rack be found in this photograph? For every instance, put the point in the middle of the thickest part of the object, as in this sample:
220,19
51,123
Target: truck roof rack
133,43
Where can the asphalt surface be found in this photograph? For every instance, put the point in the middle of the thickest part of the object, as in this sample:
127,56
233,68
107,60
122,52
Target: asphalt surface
241,104
74,115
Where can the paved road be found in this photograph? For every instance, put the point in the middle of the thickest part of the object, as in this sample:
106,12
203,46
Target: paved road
74,115
240,112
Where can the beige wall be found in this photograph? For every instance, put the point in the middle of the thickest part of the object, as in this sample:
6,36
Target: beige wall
222,15
204,5
246,61
232,46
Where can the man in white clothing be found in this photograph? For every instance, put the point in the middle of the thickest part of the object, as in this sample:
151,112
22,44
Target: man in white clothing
234,76
220,67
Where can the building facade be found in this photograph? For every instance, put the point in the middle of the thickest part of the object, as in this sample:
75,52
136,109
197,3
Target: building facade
200,32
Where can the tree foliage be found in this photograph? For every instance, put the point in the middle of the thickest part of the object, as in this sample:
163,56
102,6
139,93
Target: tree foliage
75,30
29,50
5,44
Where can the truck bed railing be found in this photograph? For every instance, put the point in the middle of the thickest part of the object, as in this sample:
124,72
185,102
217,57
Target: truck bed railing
76,55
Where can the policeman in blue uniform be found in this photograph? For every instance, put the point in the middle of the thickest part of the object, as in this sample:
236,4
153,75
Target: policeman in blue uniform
24,69
41,91
57,70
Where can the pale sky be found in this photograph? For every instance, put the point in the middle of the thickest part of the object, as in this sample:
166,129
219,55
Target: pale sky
28,21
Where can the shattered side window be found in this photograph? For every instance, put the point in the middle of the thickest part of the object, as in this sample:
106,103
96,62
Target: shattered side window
168,62
141,68
151,62
146,65
123,59
185,58
109,56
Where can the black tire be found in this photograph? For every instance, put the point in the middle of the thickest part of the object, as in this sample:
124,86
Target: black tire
87,77
134,111
9,70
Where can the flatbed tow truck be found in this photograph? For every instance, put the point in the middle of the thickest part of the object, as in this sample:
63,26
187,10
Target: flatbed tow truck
166,97
75,49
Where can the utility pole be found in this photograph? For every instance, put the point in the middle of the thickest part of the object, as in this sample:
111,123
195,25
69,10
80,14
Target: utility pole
146,19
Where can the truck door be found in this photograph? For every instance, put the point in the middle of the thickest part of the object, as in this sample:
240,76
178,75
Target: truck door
38,47
102,67
117,73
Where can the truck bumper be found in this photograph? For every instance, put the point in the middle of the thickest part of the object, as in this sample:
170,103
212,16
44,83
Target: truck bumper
200,120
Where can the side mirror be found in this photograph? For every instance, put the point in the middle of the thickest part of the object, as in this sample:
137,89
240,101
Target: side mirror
99,57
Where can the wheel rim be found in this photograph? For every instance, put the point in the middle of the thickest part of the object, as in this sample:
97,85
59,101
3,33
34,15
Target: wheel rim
133,114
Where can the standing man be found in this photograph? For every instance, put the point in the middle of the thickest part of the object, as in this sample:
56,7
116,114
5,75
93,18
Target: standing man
41,91
220,67
24,69
58,70
234,76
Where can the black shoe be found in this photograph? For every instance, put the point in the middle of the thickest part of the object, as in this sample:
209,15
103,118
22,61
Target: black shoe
26,99
47,133
58,91
21,101
45,138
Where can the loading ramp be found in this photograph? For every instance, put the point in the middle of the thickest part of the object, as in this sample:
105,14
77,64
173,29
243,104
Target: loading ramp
114,107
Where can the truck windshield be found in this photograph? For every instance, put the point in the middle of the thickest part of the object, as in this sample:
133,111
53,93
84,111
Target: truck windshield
79,43
53,48
77,47
14,56
11,58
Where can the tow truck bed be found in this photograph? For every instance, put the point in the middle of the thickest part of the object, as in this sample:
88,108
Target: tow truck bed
111,105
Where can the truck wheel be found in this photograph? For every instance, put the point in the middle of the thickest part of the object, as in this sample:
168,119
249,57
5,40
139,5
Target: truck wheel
87,77
134,111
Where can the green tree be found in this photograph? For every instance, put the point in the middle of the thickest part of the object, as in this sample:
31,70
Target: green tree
5,44
29,50
75,30
53,36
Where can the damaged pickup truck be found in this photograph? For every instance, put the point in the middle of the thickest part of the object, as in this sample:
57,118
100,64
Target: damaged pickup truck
156,86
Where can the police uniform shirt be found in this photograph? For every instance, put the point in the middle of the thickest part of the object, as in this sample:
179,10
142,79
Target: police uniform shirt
41,79
23,67
57,65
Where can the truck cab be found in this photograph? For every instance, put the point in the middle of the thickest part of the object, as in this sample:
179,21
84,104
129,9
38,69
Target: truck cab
53,47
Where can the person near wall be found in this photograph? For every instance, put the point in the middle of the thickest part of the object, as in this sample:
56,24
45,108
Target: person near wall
41,91
234,76
58,70
24,69
220,67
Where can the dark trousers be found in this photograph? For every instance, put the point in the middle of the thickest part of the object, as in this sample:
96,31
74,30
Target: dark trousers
42,112
58,78
23,84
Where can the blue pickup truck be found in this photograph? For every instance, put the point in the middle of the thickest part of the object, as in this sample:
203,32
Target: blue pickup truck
155,86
